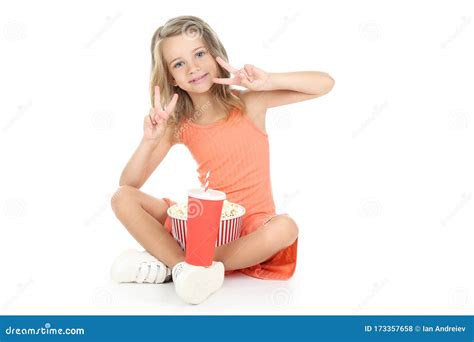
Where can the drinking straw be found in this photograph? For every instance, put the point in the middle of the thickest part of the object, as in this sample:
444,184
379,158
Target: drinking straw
206,184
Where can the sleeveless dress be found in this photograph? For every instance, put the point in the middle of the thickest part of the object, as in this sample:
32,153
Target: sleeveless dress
237,153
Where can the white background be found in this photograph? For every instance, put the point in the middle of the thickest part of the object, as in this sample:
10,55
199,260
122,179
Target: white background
378,174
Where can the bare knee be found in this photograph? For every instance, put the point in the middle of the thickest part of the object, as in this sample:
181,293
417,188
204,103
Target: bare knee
283,231
122,197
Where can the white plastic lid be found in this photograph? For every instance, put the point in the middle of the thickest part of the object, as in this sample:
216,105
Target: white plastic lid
212,195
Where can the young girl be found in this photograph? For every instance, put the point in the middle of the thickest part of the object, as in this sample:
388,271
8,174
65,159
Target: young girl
224,129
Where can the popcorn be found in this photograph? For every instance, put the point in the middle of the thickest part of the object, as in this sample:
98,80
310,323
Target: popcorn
229,210
229,227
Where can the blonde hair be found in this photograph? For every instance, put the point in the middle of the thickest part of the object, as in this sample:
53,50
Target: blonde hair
193,28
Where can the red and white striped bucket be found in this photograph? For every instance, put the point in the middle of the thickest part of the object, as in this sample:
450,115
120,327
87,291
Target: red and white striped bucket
229,228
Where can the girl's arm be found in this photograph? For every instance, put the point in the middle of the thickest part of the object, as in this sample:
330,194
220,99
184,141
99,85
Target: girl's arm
277,89
285,88
144,161
156,142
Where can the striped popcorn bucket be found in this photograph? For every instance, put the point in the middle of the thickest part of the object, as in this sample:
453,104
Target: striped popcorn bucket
229,228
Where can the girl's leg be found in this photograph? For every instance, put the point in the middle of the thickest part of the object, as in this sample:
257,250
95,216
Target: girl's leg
257,247
144,217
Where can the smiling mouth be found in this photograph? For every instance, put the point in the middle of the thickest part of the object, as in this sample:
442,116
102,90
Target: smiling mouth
198,79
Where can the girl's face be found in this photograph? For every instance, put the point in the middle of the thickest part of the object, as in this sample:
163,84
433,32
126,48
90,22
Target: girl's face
190,64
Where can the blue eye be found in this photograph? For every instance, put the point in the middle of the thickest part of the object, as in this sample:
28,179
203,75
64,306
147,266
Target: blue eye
201,53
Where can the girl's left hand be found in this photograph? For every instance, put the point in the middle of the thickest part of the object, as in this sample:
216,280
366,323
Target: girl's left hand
249,77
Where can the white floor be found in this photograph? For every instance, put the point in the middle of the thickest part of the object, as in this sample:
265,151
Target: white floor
337,276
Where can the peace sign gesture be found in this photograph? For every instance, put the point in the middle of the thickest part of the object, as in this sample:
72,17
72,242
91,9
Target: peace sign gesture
155,122
249,77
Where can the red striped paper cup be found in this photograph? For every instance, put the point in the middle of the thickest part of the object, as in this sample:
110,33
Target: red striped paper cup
229,228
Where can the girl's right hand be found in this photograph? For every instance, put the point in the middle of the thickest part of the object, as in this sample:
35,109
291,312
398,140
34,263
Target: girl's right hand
156,121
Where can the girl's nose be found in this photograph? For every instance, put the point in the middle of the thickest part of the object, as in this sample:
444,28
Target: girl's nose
193,69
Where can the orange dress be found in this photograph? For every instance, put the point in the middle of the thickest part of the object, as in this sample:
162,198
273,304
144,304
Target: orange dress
237,153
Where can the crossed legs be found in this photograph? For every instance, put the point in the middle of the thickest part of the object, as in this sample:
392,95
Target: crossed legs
144,217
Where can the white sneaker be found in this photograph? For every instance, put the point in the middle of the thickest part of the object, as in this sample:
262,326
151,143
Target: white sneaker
133,266
194,284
